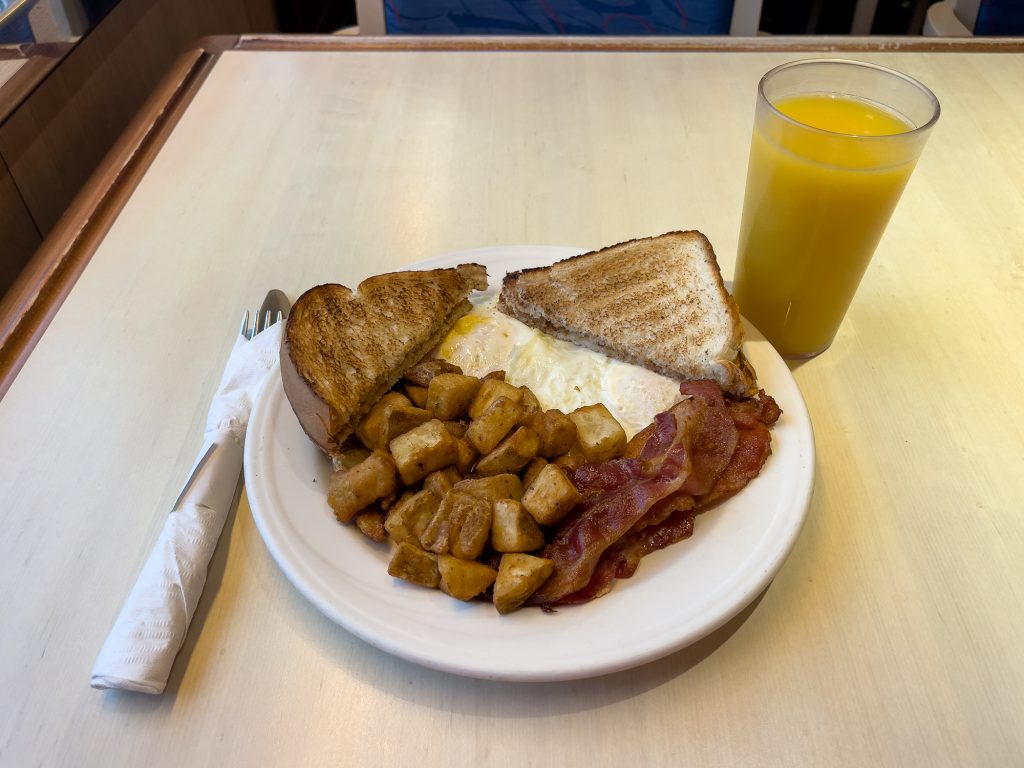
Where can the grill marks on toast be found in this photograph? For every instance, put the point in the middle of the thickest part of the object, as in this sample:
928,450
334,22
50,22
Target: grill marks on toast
342,350
656,302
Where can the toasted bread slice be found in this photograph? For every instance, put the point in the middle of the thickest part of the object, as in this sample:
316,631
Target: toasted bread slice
341,351
658,302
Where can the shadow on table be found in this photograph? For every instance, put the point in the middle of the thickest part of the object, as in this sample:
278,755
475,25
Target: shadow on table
491,698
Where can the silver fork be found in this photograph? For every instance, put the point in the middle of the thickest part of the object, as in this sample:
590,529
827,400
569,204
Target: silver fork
273,310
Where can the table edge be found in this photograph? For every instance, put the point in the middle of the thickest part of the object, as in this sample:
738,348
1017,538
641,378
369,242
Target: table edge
36,295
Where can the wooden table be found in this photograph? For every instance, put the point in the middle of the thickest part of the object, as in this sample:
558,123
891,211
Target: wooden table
891,636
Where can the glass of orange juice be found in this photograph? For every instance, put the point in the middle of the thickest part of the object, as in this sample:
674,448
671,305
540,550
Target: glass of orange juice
833,146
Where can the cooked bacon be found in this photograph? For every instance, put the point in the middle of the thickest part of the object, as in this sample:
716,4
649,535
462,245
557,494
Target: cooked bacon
604,518
752,451
598,545
622,559
717,440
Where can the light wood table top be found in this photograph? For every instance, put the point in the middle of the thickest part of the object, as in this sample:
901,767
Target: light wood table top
891,636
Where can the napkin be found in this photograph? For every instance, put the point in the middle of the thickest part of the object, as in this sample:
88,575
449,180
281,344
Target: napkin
150,630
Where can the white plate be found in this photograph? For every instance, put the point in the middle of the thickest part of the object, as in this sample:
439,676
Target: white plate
677,596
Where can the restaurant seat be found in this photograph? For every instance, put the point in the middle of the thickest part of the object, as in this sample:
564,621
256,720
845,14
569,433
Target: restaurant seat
966,18
558,17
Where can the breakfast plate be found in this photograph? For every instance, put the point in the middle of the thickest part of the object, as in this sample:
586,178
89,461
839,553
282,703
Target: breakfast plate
678,595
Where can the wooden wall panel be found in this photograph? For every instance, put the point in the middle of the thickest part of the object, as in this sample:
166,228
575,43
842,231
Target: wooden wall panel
18,234
62,131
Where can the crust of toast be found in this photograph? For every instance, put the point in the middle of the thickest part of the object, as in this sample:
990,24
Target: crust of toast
657,302
342,350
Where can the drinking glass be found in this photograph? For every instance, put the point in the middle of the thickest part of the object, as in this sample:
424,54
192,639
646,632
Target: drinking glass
833,146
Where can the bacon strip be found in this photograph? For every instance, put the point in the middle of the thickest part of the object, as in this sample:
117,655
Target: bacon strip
730,449
606,517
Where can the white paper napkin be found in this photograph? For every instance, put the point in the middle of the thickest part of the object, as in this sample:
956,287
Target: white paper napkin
150,630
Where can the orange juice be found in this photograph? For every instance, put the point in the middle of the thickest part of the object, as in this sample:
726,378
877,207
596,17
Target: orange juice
822,181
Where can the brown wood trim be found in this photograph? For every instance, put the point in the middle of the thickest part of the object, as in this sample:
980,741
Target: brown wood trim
34,298
610,44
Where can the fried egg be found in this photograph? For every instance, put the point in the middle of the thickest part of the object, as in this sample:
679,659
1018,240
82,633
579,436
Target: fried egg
561,374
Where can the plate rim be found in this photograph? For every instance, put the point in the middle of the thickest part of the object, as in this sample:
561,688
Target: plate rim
307,581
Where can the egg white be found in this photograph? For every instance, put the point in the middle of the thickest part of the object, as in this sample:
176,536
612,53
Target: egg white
561,375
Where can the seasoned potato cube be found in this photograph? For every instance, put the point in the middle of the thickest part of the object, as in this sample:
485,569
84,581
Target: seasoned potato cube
512,528
411,563
450,395
456,428
474,532
492,424
399,419
550,497
599,436
371,523
464,579
443,529
352,490
490,489
421,373
417,394
512,454
519,576
349,455
571,461
441,481
466,456
491,390
532,470
368,430
409,518
556,430
529,402
420,451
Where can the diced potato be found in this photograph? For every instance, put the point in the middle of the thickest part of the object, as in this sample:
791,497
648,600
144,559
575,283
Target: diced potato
599,436
350,455
399,419
475,531
466,456
532,470
491,425
529,402
450,395
417,394
371,523
443,529
491,390
556,430
456,428
421,373
519,576
420,451
352,490
512,454
409,518
512,528
551,496
499,375
411,563
369,428
571,461
441,481
490,489
464,579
